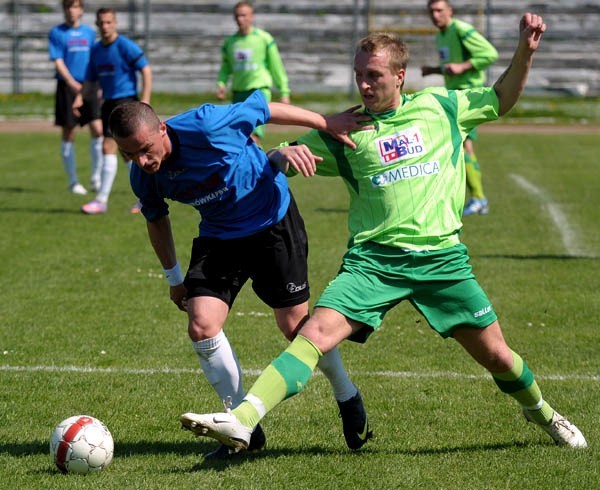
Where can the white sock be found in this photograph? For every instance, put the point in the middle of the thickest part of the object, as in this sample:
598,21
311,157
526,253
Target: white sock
95,159
109,172
333,369
221,367
67,152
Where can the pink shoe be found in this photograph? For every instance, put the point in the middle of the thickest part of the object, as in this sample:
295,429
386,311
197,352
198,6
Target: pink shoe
94,207
136,208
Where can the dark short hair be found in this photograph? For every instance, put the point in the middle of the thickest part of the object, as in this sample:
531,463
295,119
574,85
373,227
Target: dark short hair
126,119
431,2
105,10
68,3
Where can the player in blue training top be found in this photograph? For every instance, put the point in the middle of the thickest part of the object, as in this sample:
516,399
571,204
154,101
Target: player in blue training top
114,62
250,229
69,47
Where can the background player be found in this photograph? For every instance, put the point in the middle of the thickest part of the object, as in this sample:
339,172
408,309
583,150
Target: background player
114,63
69,46
251,58
464,56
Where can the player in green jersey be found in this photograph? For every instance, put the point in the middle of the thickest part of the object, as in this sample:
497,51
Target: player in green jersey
406,181
464,56
251,58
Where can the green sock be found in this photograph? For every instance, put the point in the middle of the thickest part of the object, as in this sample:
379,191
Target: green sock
520,384
474,181
284,377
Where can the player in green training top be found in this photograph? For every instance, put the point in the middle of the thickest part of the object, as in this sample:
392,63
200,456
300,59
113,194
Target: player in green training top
464,56
251,58
406,184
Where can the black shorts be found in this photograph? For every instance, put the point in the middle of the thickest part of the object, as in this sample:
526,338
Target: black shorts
275,259
63,107
107,108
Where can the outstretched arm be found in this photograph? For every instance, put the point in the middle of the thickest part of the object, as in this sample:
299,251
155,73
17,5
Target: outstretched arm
338,125
511,83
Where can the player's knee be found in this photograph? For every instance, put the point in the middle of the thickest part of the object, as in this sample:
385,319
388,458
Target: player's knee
201,330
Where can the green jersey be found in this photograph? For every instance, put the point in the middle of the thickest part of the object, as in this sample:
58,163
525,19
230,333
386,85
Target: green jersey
253,61
406,178
461,42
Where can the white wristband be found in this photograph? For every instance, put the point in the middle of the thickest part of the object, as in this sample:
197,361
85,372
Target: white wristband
174,275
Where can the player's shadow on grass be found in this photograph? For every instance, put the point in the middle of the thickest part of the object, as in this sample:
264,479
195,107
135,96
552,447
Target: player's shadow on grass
372,450
19,190
122,450
30,210
332,210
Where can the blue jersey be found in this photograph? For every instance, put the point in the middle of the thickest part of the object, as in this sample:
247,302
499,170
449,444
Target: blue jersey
72,45
216,167
115,67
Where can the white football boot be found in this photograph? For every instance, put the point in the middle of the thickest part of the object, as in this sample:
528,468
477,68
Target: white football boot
223,426
561,430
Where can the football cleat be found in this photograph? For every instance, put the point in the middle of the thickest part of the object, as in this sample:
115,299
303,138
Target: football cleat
258,441
78,189
561,430
355,422
476,206
136,208
223,426
94,207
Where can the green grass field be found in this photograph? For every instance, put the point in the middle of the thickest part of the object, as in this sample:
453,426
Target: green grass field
86,326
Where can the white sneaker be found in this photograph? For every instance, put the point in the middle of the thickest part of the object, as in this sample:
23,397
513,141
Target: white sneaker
561,430
223,426
78,189
476,206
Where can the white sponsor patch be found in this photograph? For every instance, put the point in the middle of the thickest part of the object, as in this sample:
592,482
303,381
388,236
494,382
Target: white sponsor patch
404,173
404,144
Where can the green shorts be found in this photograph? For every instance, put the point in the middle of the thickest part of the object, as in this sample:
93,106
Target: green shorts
240,96
440,284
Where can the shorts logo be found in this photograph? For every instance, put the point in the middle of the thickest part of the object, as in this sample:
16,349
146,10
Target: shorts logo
400,146
483,311
293,288
404,173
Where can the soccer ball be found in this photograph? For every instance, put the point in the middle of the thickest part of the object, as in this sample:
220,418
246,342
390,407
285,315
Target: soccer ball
81,444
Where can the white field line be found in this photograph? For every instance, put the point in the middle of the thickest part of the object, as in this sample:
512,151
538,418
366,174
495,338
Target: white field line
256,372
561,222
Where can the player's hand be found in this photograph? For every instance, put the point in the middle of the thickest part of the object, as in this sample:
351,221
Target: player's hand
453,69
299,157
221,93
178,296
77,104
531,29
339,125
75,87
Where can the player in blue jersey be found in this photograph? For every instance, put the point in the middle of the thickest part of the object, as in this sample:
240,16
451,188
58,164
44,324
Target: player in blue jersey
69,47
115,61
250,229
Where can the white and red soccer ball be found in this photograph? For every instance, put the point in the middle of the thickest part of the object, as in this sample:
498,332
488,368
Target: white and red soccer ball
81,444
